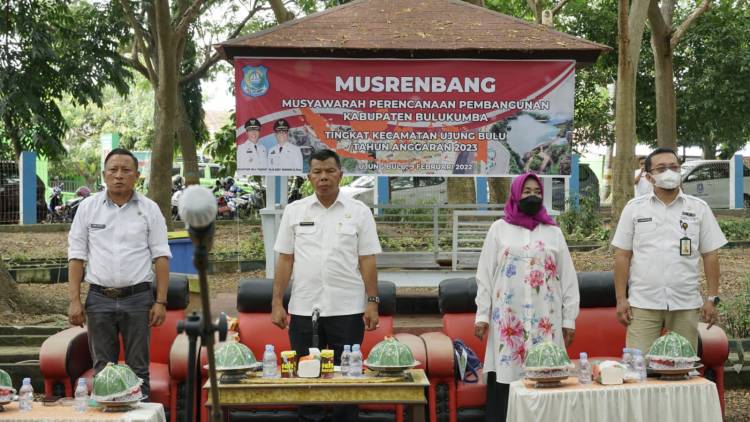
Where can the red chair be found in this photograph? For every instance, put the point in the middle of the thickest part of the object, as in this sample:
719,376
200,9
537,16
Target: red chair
65,356
256,330
597,332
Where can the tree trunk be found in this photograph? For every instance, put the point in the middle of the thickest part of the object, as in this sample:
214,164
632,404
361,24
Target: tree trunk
166,91
499,189
666,105
631,21
461,190
8,292
186,137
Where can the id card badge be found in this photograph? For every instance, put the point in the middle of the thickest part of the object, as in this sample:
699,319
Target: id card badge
686,246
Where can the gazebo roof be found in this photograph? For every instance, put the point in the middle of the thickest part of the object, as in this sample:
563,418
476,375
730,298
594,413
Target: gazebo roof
412,29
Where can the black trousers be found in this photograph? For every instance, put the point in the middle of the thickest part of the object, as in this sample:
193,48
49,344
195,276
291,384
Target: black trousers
333,333
496,406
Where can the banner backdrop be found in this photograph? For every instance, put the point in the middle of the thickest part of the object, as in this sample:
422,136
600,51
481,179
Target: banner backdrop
405,117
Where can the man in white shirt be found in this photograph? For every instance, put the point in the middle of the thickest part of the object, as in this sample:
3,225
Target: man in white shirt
327,245
121,236
252,156
642,185
659,241
285,157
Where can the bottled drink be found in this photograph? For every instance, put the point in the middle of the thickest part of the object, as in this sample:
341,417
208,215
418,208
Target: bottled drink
639,366
346,357
26,396
269,362
584,369
355,363
81,396
627,359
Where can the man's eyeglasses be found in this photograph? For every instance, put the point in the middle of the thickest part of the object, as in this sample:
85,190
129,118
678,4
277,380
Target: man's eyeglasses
662,169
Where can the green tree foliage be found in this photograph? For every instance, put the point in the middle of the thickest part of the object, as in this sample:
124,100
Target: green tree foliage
223,147
132,117
50,48
712,68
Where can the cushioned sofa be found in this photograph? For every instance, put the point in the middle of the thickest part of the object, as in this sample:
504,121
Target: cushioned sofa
65,356
597,332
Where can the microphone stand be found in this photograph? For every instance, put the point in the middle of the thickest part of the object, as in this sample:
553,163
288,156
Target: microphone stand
196,326
315,315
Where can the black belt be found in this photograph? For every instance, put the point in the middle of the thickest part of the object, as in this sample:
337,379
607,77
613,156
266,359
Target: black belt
118,292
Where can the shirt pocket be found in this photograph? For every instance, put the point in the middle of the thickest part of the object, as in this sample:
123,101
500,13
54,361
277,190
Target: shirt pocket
644,229
347,234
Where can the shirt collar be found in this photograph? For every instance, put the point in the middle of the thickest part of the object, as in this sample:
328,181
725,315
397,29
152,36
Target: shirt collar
340,198
133,198
680,196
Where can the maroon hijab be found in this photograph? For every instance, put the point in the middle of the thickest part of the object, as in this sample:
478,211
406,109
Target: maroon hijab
514,216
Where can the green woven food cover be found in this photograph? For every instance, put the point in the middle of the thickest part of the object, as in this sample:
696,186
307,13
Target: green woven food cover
232,354
390,352
672,345
115,381
546,355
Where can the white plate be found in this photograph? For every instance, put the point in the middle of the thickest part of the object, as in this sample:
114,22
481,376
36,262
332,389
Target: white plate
254,367
113,403
392,368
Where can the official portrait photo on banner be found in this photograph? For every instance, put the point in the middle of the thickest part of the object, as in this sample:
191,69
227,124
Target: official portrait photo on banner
405,117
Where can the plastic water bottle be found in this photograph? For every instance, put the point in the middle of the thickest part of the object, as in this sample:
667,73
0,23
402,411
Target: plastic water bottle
26,396
627,359
269,362
584,369
639,366
81,396
355,363
346,357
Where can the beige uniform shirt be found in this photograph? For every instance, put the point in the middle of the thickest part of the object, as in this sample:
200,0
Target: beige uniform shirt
119,244
327,244
661,278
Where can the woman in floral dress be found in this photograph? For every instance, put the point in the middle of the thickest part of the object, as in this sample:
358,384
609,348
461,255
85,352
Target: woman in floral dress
527,290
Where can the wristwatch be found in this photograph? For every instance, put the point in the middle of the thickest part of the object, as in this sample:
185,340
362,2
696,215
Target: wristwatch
373,299
714,299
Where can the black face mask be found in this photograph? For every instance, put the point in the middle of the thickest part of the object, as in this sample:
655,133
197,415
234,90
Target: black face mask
530,205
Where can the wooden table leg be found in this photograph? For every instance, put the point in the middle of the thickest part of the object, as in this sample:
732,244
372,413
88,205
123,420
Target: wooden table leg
417,413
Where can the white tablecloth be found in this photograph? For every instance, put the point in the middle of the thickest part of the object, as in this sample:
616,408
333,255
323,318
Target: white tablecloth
653,401
145,412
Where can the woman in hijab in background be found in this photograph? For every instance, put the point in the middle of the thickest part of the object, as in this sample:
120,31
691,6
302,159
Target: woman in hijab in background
527,290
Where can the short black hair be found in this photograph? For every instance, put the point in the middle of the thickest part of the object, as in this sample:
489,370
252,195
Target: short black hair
658,151
121,151
325,154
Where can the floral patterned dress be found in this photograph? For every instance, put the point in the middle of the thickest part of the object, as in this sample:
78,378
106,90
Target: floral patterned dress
527,290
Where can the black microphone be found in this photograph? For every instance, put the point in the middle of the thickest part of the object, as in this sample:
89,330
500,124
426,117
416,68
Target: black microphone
197,209
315,316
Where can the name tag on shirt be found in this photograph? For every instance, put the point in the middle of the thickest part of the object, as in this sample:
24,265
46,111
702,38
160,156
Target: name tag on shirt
97,226
644,220
306,223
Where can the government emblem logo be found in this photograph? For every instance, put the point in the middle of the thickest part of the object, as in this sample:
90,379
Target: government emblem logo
254,81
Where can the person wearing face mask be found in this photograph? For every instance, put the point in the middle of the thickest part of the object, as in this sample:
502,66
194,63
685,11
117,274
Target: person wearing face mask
659,241
527,290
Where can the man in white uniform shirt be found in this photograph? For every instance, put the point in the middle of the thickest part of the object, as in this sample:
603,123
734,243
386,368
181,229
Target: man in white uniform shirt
285,156
659,241
327,244
641,183
252,156
120,236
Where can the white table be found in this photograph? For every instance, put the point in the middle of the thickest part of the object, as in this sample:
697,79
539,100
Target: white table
145,412
693,400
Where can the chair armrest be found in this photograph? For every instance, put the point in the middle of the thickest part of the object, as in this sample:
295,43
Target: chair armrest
178,358
714,345
416,345
65,355
439,351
